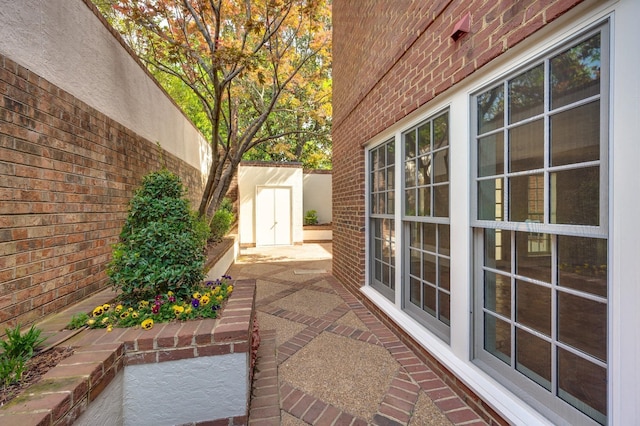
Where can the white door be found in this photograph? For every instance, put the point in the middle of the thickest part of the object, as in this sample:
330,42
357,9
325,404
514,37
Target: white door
273,216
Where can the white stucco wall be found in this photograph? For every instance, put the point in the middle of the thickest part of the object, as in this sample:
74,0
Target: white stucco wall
317,195
249,178
65,43
173,392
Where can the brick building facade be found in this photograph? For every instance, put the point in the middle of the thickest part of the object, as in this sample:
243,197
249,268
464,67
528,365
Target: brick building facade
477,208
68,169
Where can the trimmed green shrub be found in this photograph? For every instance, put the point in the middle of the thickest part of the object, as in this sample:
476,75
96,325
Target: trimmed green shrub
311,217
222,220
162,243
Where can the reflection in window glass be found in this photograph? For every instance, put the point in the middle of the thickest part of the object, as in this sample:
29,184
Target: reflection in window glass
575,73
583,384
490,204
582,324
497,249
575,196
497,293
530,261
575,135
533,306
490,110
497,338
526,147
491,155
582,264
533,357
526,94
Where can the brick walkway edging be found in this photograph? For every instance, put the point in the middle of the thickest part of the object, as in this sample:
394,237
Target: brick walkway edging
65,392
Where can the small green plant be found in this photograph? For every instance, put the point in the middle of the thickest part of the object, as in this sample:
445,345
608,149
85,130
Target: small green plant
17,349
222,220
311,217
78,321
162,243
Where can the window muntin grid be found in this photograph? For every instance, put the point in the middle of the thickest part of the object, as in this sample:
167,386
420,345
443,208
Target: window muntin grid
426,286
381,218
541,191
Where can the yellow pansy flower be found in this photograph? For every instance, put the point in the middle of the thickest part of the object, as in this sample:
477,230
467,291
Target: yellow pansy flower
147,324
98,310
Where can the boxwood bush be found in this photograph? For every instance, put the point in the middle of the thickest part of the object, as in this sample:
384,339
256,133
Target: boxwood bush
162,243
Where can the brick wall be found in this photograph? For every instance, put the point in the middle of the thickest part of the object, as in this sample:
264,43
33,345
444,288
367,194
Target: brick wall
67,173
390,58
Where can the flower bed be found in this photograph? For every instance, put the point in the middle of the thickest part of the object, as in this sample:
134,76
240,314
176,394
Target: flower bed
145,369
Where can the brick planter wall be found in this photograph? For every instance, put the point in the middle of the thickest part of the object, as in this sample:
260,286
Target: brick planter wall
67,173
68,389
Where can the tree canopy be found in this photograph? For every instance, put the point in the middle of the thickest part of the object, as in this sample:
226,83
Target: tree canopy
253,75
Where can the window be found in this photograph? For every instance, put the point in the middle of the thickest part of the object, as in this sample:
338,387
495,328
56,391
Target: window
426,224
540,230
381,218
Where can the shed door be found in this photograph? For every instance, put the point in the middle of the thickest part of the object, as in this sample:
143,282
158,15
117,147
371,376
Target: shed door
273,216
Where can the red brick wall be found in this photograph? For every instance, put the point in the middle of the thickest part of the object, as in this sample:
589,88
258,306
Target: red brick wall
390,58
67,173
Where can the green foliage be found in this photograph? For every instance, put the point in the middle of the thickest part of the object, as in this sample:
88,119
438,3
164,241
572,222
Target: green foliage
78,321
17,350
222,220
162,242
203,302
311,217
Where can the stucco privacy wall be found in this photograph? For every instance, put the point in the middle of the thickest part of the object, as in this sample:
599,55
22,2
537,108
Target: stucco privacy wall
68,165
252,175
316,194
65,42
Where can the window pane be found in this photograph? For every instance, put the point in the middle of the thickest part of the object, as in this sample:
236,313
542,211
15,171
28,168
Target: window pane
490,204
414,235
575,135
410,144
390,178
391,205
429,299
526,147
415,263
424,170
424,201
424,138
527,198
533,358
441,200
497,338
491,155
445,274
429,268
441,164
530,260
414,292
391,156
575,196
497,293
491,110
497,249
429,237
443,239
444,312
575,73
533,306
582,264
526,94
410,173
582,323
410,202
441,131
583,385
